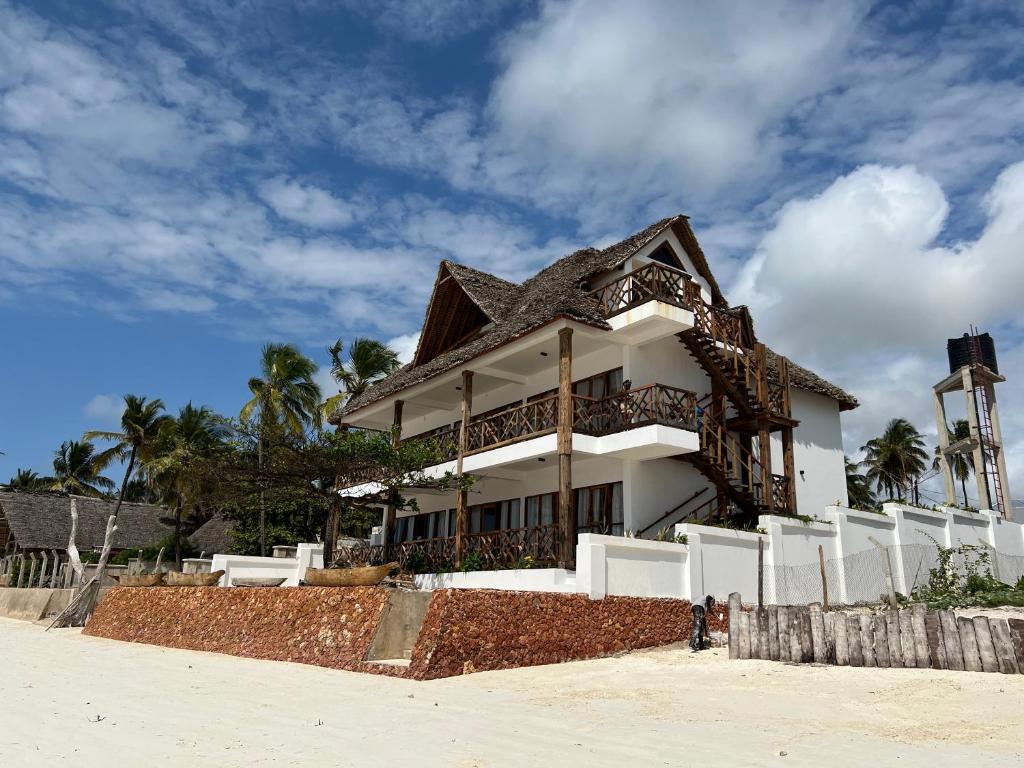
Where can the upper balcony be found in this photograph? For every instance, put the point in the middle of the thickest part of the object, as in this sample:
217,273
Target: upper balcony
649,303
644,422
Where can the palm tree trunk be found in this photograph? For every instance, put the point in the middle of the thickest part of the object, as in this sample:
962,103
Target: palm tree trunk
177,536
963,485
129,468
263,508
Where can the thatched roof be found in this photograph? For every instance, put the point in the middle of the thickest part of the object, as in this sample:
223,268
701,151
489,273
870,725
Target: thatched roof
557,291
213,536
42,520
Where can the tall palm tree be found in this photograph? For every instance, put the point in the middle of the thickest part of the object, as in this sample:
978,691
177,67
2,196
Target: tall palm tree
29,480
140,424
896,458
962,464
76,469
195,434
369,361
287,397
858,489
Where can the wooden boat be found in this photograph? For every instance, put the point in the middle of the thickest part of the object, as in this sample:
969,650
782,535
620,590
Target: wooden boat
257,582
366,576
179,579
142,580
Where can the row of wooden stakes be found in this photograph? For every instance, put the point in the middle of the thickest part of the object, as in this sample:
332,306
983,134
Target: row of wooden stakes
909,637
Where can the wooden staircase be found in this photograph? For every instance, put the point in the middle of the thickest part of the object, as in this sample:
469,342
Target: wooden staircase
746,405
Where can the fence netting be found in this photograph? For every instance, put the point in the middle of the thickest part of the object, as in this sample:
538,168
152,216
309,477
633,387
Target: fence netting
863,577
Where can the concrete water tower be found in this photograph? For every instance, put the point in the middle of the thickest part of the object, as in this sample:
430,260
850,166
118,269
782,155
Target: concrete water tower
974,370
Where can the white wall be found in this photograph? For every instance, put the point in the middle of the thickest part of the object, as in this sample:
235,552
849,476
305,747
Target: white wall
292,569
817,452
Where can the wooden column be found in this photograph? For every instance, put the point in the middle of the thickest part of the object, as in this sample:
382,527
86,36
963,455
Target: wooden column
789,466
566,507
764,446
389,510
980,470
462,495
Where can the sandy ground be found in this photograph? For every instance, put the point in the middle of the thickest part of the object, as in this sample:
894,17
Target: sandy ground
67,697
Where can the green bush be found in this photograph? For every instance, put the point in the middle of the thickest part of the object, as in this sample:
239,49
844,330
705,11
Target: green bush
474,561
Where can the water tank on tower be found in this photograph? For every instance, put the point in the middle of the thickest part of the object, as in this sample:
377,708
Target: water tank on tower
968,350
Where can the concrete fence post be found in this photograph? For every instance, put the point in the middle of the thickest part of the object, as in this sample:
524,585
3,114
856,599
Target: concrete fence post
42,571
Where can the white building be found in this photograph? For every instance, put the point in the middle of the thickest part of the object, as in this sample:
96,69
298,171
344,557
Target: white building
614,392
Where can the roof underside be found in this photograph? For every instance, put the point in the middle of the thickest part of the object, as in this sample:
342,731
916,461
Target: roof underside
557,291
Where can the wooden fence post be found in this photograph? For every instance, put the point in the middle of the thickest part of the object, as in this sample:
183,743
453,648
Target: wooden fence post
907,638
783,625
951,640
1004,647
969,643
817,633
760,573
824,580
986,648
854,640
735,608
839,627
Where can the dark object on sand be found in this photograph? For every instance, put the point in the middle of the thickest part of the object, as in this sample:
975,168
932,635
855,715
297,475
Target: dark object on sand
700,626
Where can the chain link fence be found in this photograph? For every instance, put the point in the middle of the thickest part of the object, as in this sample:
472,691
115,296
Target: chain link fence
868,576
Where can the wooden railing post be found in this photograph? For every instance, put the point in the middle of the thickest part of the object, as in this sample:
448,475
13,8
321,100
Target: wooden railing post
566,511
462,497
390,511
789,467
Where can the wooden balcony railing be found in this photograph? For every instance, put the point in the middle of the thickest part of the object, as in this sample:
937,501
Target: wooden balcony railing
652,282
446,440
516,423
652,404
515,548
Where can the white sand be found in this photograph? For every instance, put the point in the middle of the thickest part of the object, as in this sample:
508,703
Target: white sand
666,707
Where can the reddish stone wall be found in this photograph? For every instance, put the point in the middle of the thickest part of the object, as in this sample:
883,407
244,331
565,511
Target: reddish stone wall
325,626
334,626
491,629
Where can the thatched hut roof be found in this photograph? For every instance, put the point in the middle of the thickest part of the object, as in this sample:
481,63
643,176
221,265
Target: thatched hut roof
557,291
42,520
213,536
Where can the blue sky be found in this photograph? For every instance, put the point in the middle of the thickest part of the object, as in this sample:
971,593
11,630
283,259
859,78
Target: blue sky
181,182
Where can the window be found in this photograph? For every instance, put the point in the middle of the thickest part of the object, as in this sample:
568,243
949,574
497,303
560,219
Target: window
541,510
494,516
665,255
598,385
599,509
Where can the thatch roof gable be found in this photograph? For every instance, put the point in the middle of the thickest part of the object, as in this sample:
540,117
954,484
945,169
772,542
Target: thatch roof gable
42,520
557,291
213,536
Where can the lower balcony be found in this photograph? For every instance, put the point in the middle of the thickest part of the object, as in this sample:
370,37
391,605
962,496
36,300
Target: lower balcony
534,547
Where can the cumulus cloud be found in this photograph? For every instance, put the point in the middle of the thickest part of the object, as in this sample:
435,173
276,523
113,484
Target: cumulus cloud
857,282
309,204
430,21
405,345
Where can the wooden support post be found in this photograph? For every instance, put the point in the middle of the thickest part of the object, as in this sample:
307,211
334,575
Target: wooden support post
935,651
462,495
892,632
42,571
53,574
1017,639
1004,647
764,637
784,625
32,569
789,468
764,447
390,512
867,640
839,628
744,632
907,649
773,633
824,580
818,651
734,625
969,643
986,648
881,641
853,638
920,635
951,640
796,648
806,636
566,506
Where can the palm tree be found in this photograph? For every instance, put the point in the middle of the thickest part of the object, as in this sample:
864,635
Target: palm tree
962,464
76,469
369,361
29,480
183,442
286,397
896,459
140,424
858,489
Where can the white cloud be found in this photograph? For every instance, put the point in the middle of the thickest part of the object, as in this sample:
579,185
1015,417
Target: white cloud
855,283
105,410
430,21
309,204
405,345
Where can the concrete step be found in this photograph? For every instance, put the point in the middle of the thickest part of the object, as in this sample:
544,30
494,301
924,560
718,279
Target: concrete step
399,627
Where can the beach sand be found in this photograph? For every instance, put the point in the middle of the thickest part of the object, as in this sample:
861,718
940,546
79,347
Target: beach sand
65,697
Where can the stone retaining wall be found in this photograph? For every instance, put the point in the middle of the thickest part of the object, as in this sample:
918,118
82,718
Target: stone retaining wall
476,630
463,630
